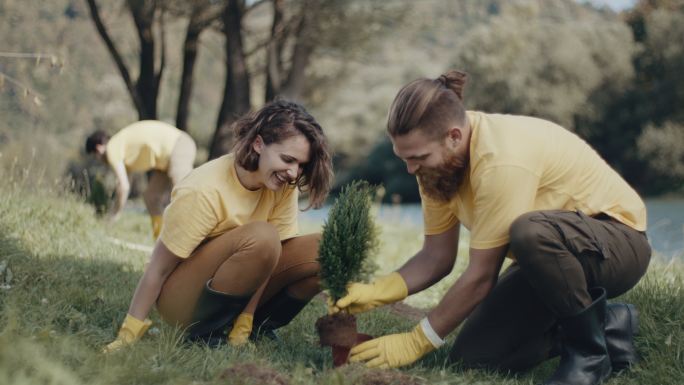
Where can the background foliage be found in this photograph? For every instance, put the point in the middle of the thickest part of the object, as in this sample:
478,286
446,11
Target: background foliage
617,79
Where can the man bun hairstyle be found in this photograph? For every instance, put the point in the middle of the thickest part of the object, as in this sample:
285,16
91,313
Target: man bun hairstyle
431,105
275,122
454,80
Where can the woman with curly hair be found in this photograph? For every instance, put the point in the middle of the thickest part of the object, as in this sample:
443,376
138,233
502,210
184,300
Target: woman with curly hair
229,261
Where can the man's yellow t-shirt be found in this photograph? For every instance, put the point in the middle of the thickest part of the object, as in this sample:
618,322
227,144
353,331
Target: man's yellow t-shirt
520,164
211,201
143,146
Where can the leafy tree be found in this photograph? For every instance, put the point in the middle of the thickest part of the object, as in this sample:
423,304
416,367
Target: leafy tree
524,63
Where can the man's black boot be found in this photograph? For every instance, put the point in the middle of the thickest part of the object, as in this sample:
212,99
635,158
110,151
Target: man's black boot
214,312
622,324
584,356
275,313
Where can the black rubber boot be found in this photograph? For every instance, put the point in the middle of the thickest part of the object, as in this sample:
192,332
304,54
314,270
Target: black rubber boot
584,356
214,313
622,324
276,313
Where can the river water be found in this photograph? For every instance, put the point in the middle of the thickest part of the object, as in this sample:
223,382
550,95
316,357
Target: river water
665,222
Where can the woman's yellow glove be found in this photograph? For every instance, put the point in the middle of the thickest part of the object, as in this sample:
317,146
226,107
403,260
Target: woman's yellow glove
362,297
397,350
242,328
132,329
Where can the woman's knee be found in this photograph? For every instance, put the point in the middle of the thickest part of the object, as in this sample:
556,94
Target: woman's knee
264,241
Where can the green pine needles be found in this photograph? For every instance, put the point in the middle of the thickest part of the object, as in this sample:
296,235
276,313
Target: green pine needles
349,235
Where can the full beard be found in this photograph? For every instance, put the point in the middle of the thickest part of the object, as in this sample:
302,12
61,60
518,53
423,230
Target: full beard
442,182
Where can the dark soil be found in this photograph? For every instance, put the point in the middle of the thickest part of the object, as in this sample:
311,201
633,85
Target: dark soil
251,373
341,353
337,330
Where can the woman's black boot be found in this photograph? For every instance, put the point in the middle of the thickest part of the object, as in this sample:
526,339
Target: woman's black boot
214,313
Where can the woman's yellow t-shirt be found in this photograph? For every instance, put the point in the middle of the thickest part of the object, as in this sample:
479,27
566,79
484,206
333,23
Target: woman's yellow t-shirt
520,164
143,146
211,201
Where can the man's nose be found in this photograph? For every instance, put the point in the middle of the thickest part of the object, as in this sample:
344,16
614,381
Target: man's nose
412,167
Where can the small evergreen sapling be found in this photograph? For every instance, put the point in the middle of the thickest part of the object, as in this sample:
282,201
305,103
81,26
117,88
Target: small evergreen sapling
349,235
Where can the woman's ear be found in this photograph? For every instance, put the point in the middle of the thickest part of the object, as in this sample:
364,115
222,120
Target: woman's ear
258,144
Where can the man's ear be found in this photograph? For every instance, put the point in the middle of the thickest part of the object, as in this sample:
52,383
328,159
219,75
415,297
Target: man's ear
455,135
258,144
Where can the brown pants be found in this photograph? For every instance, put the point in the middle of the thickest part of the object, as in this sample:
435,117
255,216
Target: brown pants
560,254
160,183
238,262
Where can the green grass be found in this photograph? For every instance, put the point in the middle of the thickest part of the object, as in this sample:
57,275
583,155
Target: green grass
70,289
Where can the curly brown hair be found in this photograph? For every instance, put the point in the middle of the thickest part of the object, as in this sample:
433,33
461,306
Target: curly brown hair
275,122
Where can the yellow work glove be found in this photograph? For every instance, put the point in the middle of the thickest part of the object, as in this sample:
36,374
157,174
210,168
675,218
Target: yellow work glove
362,297
242,328
397,350
156,225
131,330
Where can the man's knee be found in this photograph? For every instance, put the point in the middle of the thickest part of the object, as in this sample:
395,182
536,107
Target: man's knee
526,233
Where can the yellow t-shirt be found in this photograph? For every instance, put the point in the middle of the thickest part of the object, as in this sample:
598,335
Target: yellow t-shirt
520,164
143,146
211,200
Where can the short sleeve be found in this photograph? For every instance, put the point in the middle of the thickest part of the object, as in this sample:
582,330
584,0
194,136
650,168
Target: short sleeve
115,151
438,217
188,220
285,214
501,194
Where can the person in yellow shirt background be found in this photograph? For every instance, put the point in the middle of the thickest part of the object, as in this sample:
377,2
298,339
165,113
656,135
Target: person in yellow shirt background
230,262
148,145
529,190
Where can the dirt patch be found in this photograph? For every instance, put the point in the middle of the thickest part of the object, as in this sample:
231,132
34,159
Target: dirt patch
388,377
357,375
250,373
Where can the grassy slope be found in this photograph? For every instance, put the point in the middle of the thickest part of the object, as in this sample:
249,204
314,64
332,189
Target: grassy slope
70,289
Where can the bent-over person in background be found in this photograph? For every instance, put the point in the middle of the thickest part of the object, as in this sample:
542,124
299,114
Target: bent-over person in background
147,145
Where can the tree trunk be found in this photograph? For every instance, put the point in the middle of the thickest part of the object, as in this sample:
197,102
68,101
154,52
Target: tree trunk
274,62
201,17
301,54
236,93
116,56
189,58
147,85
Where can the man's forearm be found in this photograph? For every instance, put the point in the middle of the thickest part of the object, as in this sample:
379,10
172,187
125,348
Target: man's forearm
466,293
423,271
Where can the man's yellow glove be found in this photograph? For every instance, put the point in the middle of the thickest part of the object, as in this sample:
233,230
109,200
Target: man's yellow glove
397,350
132,329
362,297
242,328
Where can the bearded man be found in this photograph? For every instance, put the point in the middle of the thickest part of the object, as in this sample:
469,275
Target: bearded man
529,190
